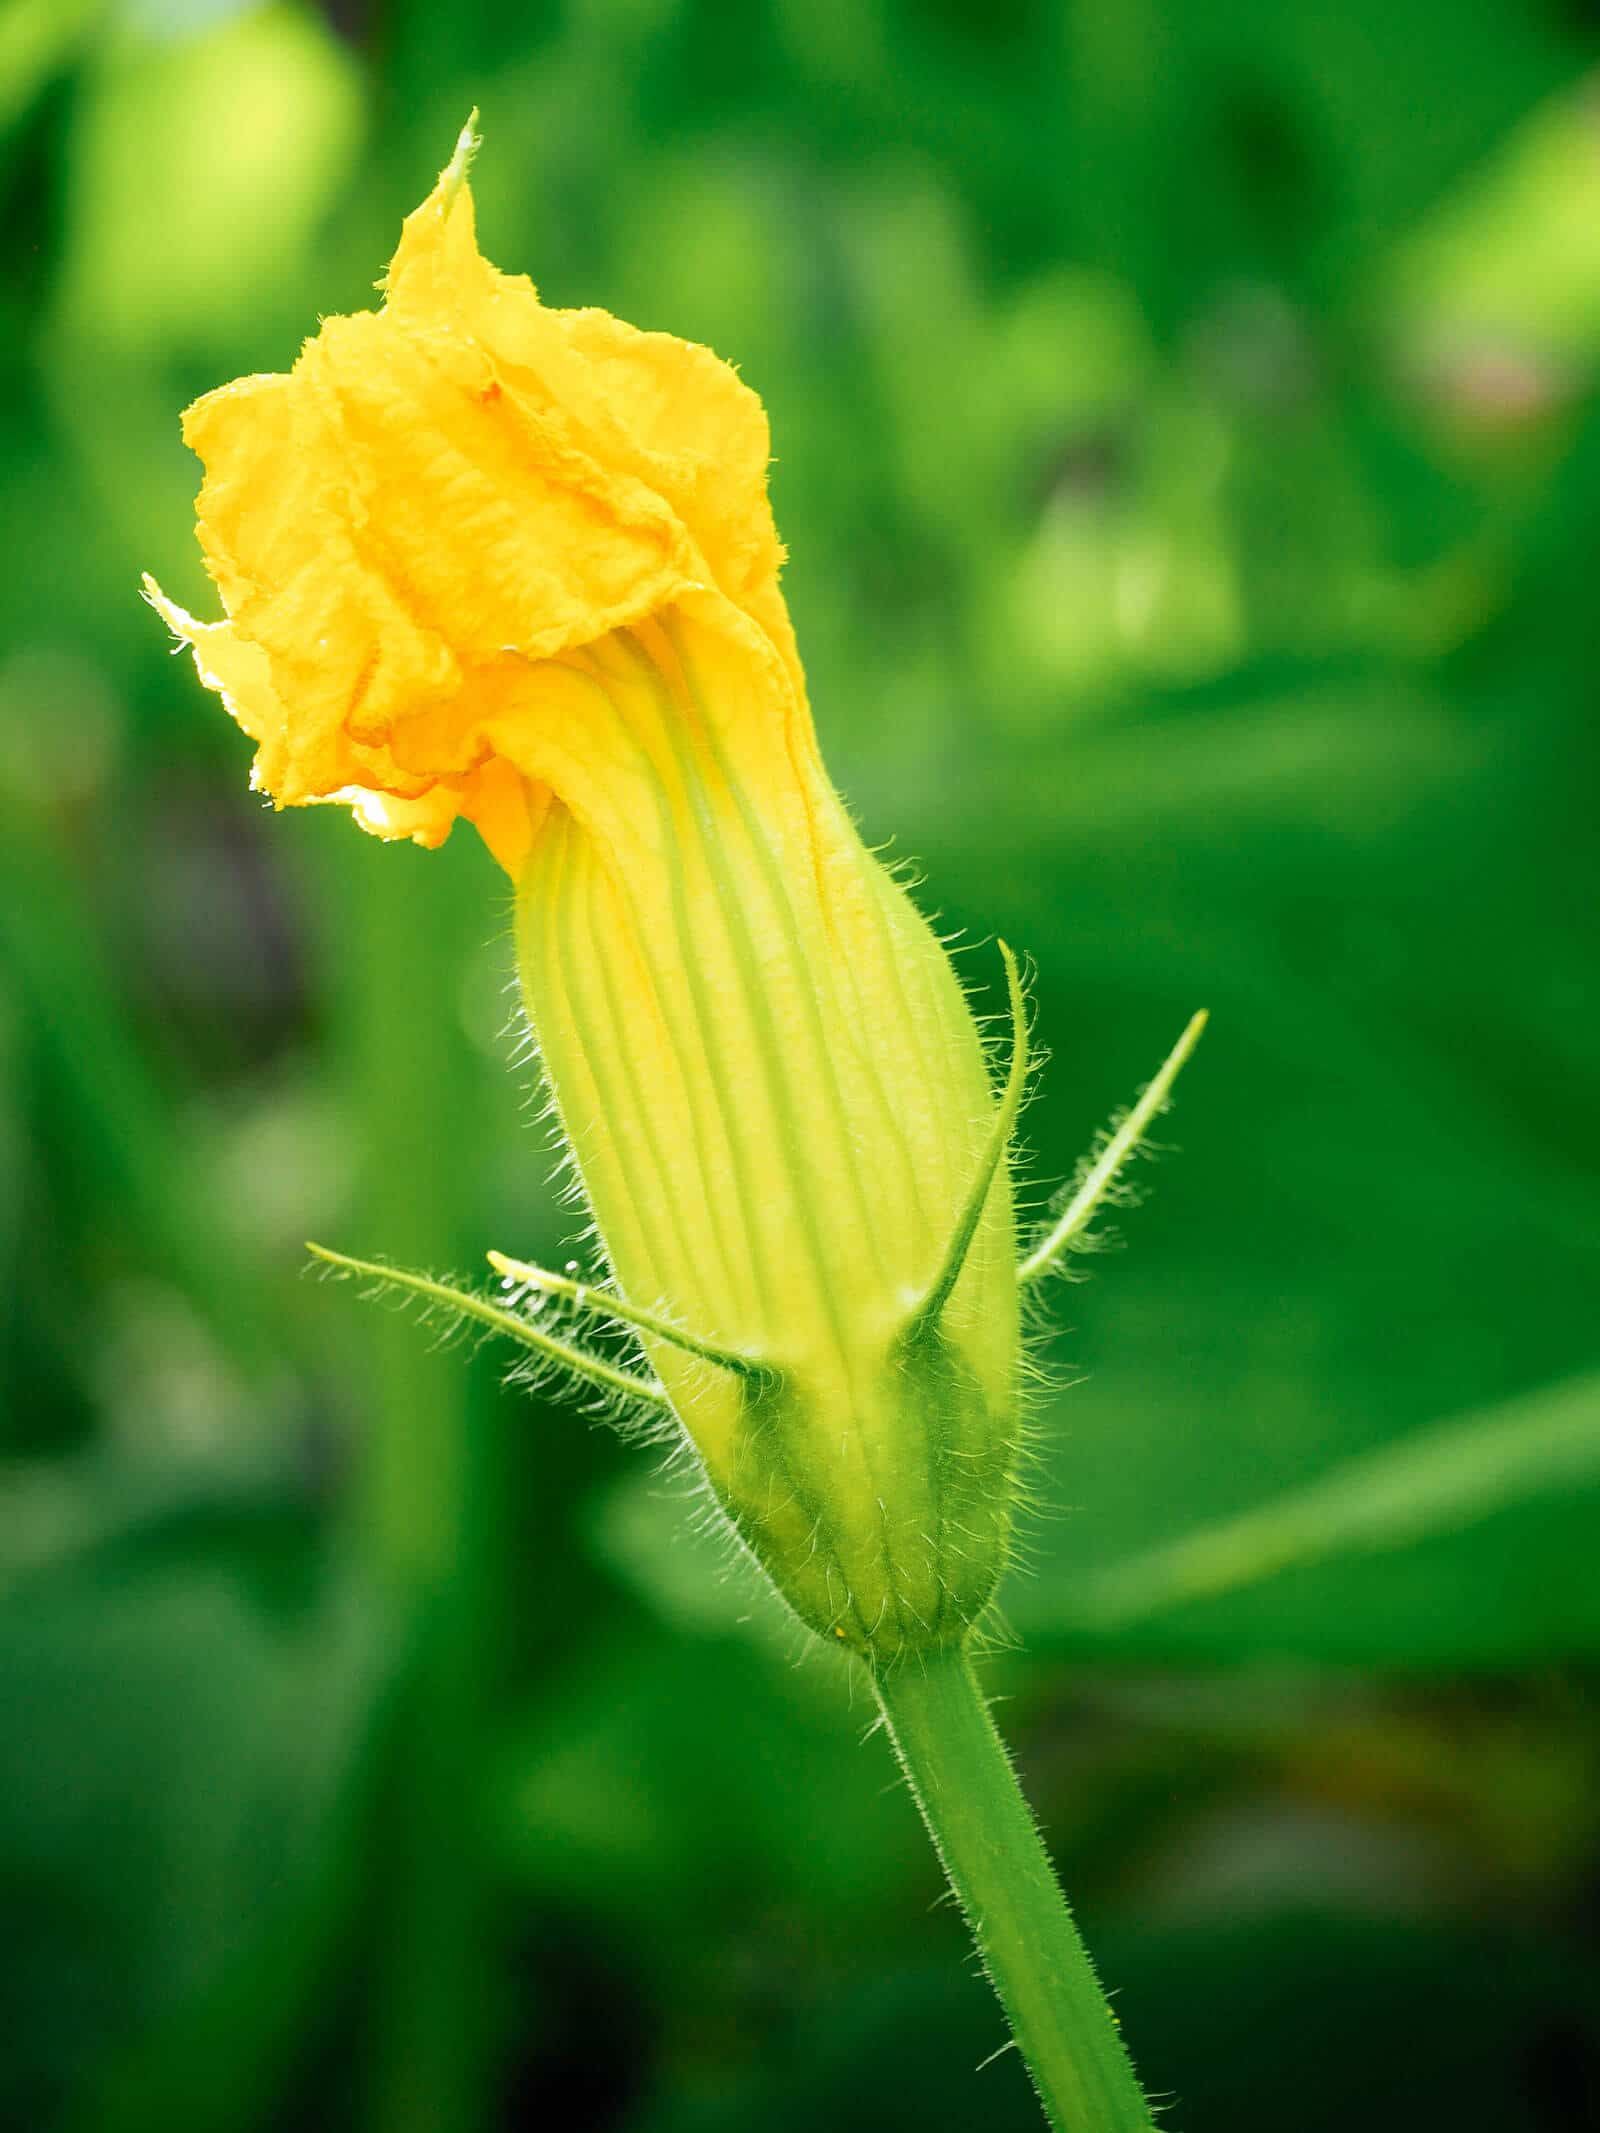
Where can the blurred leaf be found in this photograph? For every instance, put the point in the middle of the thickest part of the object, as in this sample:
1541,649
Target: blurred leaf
1407,2024
54,1511
695,1782
1318,2022
1491,308
199,167
36,38
181,1770
1352,75
121,1119
1427,1483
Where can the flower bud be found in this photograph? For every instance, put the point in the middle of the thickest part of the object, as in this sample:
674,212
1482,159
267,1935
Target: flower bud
479,557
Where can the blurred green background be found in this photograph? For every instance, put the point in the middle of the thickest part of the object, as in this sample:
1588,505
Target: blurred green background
1189,447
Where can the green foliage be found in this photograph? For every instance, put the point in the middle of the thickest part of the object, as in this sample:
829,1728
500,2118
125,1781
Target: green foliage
1187,444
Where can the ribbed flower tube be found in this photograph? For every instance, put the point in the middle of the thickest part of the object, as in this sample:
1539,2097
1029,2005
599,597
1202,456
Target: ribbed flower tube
776,1099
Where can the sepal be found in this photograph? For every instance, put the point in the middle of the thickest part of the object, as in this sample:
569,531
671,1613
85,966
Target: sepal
592,1372
1102,1168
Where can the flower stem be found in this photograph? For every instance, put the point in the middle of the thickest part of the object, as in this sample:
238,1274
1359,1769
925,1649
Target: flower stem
992,1852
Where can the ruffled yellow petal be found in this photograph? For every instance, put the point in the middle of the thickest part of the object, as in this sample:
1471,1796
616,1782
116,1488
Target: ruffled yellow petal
446,495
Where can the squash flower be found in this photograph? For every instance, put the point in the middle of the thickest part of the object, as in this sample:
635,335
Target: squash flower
484,559
479,558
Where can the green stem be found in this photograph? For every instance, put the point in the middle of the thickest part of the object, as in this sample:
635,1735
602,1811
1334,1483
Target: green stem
996,1861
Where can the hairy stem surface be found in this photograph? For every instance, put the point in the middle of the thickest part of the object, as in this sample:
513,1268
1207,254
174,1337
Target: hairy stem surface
992,1852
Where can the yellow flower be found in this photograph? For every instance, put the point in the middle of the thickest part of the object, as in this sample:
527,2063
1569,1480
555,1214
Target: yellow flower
483,558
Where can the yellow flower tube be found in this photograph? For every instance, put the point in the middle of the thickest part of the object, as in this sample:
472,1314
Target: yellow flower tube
483,558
